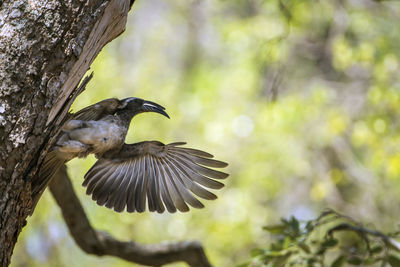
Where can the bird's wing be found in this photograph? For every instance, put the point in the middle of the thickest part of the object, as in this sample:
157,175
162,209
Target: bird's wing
168,176
97,111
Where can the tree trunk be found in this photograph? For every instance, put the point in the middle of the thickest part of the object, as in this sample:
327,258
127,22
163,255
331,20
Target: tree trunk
46,47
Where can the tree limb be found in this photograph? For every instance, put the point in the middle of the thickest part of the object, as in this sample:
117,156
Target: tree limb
101,243
46,47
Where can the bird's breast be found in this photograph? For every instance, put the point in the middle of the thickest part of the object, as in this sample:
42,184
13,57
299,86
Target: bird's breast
100,135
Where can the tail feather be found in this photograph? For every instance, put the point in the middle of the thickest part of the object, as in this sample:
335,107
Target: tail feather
51,164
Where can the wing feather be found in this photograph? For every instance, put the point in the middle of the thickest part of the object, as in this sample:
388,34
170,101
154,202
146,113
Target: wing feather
166,177
169,204
140,192
179,203
130,183
182,187
99,178
192,151
203,161
117,188
194,187
130,205
97,111
203,170
120,199
104,192
205,181
153,190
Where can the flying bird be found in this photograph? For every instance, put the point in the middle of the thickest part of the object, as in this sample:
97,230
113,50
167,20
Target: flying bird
168,176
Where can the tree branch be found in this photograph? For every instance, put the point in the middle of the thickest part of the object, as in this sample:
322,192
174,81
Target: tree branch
101,243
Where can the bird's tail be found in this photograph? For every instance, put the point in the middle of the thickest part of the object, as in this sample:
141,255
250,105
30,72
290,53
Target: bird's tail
52,162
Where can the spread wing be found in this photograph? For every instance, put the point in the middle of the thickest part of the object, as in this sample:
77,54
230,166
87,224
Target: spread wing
97,111
168,176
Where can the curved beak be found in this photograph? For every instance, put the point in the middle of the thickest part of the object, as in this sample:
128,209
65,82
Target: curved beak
149,106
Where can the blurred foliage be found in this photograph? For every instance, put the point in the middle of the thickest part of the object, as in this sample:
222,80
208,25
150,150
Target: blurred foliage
301,97
330,240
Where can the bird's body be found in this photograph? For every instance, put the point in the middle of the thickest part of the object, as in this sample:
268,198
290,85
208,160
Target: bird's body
95,137
126,175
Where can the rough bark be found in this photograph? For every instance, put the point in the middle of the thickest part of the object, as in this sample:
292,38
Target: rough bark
45,49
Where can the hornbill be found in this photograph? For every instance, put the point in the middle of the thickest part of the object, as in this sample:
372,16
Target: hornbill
125,175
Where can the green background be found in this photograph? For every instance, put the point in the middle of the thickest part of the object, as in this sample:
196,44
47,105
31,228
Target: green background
300,97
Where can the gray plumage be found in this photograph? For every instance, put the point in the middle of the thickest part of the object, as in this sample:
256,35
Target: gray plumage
132,176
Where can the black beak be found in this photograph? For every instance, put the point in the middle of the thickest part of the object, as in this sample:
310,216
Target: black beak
149,106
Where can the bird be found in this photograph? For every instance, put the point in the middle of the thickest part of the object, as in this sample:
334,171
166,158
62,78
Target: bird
169,176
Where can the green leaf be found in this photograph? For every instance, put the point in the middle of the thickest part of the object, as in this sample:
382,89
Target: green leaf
275,254
257,252
376,249
394,261
329,243
311,261
286,242
246,264
370,261
294,224
309,226
339,261
354,260
282,260
321,250
275,229
304,247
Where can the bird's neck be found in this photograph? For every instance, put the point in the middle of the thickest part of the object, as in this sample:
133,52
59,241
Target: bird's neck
126,115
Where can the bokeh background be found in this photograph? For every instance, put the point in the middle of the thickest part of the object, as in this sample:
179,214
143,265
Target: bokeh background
301,97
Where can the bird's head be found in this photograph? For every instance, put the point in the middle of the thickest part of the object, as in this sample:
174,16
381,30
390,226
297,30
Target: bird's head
138,105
